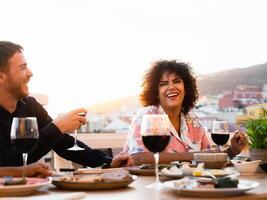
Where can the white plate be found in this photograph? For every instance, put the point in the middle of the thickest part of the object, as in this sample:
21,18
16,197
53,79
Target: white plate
32,185
243,186
172,172
214,172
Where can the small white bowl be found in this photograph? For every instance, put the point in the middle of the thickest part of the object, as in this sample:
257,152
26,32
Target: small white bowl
246,167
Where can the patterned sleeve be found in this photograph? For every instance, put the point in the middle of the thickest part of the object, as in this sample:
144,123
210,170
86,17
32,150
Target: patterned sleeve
134,143
205,144
197,132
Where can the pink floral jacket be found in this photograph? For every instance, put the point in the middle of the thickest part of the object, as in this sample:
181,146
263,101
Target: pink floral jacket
192,137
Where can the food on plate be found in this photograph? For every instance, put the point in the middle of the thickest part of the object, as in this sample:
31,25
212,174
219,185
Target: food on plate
174,170
81,179
226,183
217,172
189,183
9,180
119,175
115,176
199,170
152,166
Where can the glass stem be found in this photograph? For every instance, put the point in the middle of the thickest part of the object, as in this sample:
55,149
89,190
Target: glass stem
156,156
220,148
25,158
75,138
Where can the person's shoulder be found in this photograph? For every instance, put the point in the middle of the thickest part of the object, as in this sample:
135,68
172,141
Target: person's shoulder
148,110
143,111
192,117
29,100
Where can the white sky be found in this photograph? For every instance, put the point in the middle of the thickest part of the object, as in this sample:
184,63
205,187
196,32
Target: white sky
83,51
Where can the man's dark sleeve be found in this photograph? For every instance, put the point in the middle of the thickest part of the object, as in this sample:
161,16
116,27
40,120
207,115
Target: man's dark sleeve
50,138
49,134
88,157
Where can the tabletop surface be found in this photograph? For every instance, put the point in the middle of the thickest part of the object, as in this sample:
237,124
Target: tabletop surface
137,190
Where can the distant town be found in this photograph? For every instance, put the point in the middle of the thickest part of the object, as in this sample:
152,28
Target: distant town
234,106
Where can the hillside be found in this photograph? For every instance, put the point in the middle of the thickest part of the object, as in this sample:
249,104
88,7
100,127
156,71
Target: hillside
227,80
115,105
214,83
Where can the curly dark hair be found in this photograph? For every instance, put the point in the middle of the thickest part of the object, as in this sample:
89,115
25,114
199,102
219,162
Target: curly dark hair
150,96
7,50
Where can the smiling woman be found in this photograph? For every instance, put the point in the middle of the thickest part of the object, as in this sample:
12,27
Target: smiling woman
169,87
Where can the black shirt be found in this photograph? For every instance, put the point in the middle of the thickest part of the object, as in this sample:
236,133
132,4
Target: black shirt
50,138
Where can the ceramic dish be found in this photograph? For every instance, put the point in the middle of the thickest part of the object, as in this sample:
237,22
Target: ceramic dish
243,186
136,170
32,185
246,167
102,185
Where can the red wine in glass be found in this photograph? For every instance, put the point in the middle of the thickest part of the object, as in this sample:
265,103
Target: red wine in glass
24,135
220,138
156,143
155,132
220,133
25,145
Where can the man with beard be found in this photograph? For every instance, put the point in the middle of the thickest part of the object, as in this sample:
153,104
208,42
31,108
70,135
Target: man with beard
15,102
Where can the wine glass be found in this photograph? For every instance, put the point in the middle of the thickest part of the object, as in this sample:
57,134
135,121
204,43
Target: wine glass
220,133
75,146
24,135
156,136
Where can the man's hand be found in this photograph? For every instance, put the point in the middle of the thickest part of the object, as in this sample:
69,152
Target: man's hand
121,160
37,170
70,121
238,142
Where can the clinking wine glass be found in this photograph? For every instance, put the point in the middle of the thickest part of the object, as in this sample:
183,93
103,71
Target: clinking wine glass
220,133
156,136
75,146
24,135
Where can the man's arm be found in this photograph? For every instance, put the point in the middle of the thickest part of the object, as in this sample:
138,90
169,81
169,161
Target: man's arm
49,134
88,157
52,138
164,158
36,169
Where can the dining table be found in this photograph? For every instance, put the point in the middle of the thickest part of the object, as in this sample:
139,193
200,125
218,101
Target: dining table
137,190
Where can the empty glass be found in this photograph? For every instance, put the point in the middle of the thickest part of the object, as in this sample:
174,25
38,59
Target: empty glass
75,146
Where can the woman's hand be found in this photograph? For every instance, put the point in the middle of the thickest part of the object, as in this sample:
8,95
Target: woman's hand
37,170
121,160
238,142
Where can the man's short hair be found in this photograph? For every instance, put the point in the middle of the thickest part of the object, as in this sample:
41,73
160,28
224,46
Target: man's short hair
7,50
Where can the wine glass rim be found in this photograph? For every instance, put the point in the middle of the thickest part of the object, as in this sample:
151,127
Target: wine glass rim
24,117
